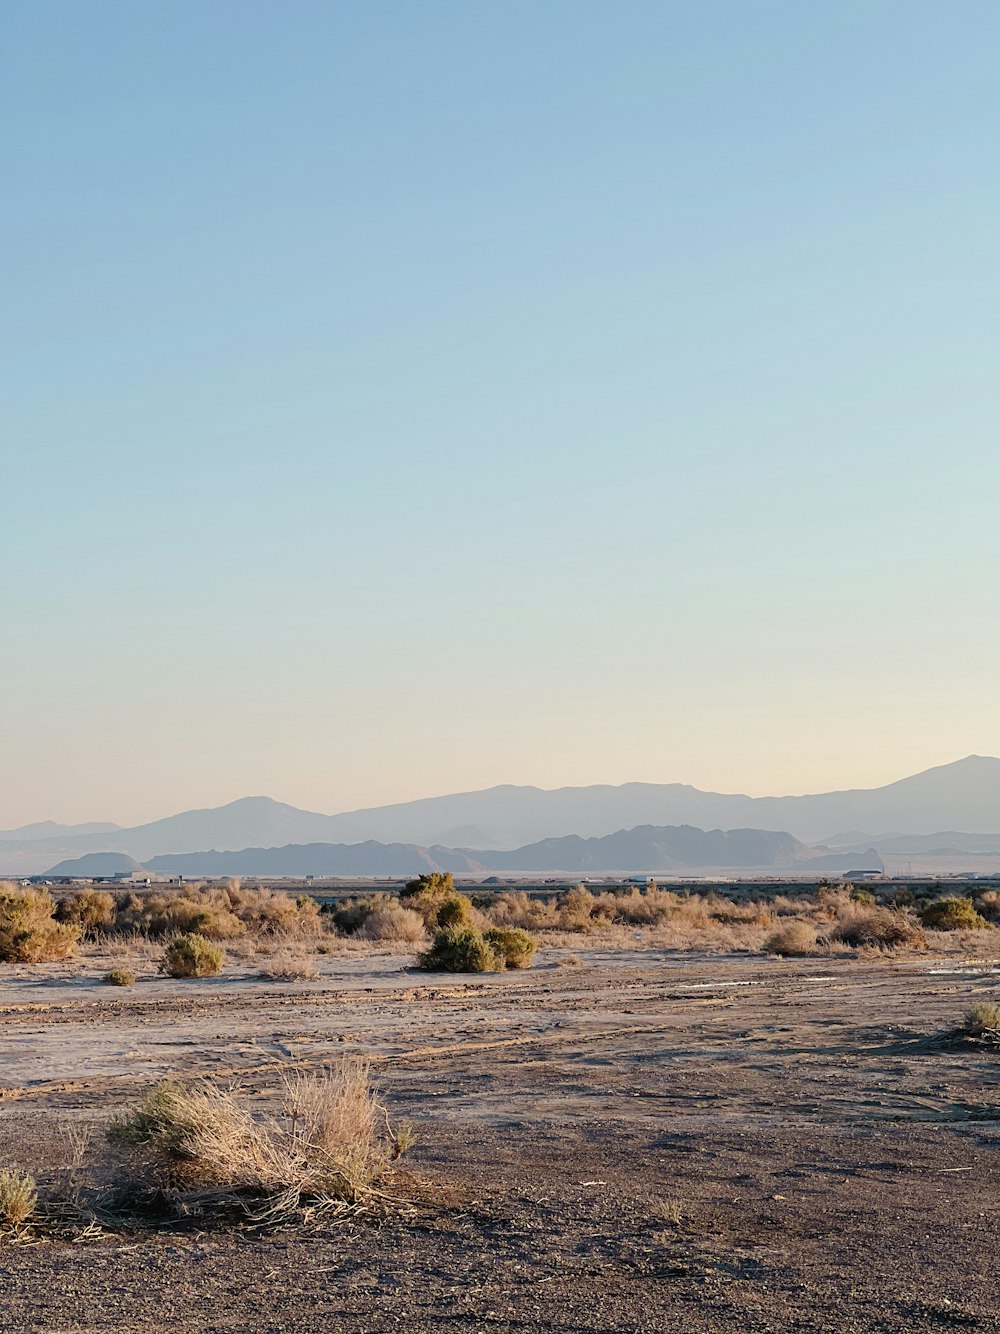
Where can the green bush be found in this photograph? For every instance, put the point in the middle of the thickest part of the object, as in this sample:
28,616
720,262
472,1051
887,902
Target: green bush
460,949
514,947
434,885
29,932
455,911
953,914
192,955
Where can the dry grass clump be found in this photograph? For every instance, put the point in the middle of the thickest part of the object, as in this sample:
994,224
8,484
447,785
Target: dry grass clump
879,928
92,910
330,1142
987,905
120,977
29,932
18,1196
191,955
953,914
793,940
982,1019
391,922
288,965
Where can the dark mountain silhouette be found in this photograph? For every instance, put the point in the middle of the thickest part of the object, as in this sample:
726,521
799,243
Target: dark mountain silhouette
96,864
645,850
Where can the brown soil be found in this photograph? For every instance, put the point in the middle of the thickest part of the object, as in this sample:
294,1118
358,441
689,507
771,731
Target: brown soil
638,1143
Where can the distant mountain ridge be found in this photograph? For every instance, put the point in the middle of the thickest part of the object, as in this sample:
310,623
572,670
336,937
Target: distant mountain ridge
962,795
645,850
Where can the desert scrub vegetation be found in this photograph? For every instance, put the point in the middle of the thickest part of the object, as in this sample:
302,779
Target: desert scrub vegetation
198,1148
953,914
516,948
219,912
192,955
459,949
29,931
120,977
288,965
793,940
91,910
466,949
982,1020
863,927
18,1197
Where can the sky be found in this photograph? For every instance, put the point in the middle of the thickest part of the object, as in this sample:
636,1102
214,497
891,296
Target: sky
405,398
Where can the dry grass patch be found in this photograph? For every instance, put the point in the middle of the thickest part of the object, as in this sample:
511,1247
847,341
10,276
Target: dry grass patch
982,1020
201,1148
18,1197
288,965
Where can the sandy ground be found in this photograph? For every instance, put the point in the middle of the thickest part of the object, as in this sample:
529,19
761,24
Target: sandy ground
642,1142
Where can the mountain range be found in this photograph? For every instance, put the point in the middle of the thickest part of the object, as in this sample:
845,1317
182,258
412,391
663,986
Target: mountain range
647,849
962,795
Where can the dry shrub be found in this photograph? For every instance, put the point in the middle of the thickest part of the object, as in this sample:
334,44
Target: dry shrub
390,922
988,905
575,910
92,910
28,931
169,912
266,912
288,965
191,955
18,1196
514,908
119,977
794,939
953,914
982,1018
879,928
514,947
332,1139
220,912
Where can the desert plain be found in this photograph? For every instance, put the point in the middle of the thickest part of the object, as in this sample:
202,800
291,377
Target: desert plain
612,1140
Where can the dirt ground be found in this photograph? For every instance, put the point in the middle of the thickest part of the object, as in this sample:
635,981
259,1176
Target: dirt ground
639,1142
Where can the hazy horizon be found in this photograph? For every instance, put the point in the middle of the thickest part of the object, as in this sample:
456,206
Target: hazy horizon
423,796
407,400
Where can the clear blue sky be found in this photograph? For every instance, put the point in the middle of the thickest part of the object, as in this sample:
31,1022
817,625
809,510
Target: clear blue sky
400,398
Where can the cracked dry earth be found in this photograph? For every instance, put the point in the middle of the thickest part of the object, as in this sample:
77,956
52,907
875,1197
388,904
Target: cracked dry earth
642,1142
